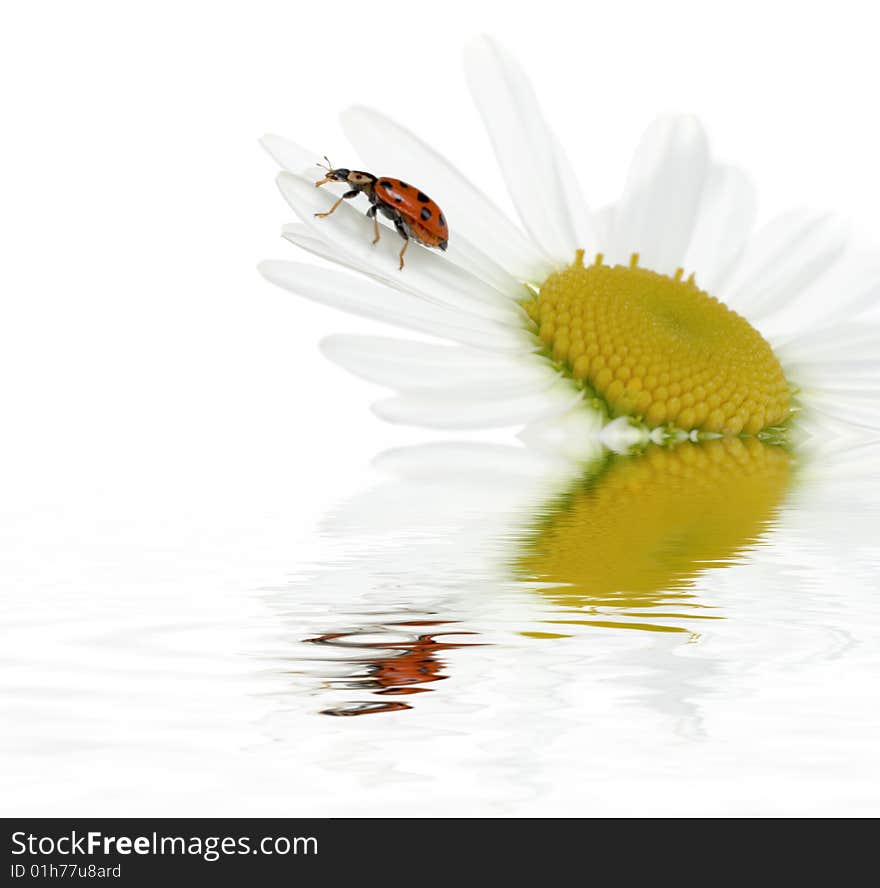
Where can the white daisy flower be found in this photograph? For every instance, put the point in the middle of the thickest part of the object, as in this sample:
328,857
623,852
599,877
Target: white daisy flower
664,314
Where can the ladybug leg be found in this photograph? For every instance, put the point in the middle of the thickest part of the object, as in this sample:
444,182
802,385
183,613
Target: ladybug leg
347,196
402,232
371,214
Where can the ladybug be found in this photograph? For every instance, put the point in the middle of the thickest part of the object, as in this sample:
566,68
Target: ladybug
413,213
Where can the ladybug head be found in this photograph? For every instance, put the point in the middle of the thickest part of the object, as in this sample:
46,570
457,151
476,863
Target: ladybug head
352,177
333,175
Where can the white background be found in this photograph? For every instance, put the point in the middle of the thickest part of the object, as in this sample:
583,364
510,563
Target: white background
166,415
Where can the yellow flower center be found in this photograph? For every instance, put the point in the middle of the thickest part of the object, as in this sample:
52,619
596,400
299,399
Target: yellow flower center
659,348
633,537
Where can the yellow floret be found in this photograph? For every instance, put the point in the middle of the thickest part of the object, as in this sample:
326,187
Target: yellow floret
660,349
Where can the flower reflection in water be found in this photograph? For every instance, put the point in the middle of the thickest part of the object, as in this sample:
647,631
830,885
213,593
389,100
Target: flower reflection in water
622,547
506,543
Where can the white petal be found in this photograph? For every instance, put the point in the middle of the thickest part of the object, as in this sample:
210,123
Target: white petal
412,366
656,215
835,361
426,275
371,300
622,434
463,253
462,411
847,374
583,222
466,258
860,408
488,388
603,222
867,300
573,434
846,291
466,460
724,221
305,236
531,160
842,342
292,157
836,371
782,258
392,150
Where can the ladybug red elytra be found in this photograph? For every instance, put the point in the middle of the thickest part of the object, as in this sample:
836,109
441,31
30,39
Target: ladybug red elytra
413,213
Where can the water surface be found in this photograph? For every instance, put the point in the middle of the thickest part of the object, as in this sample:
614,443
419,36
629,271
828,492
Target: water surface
475,630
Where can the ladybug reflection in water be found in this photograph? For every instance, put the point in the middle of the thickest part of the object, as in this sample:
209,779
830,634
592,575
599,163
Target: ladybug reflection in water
414,663
413,213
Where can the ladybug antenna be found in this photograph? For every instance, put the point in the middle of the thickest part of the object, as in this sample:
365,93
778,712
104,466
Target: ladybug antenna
329,169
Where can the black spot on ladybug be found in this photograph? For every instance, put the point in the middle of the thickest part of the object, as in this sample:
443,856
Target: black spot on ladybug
386,184
426,213
402,184
442,220
423,197
398,198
